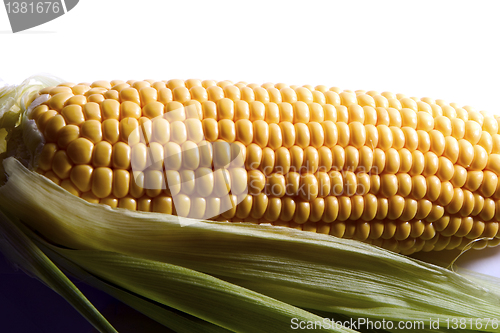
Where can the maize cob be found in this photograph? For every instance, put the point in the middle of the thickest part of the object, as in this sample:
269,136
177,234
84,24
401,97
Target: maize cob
173,261
403,173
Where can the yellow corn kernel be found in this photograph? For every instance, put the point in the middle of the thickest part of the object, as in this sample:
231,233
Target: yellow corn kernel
404,173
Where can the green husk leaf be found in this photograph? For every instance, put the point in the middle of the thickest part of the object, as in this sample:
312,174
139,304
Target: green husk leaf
198,294
307,270
175,320
23,247
17,246
201,295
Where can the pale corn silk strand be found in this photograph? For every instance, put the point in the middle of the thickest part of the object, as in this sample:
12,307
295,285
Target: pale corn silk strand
262,258
465,249
403,173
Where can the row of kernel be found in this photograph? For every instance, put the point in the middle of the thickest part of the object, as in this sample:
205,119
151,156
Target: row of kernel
438,108
103,181
367,115
324,159
129,130
180,205
377,230
111,109
370,230
332,208
355,134
368,207
386,185
77,108
82,151
100,90
392,235
406,246
440,242
171,156
402,236
434,107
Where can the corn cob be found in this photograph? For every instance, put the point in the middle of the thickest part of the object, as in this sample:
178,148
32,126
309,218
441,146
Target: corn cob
403,173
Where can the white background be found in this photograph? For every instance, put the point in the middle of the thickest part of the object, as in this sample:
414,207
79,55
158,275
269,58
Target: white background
440,49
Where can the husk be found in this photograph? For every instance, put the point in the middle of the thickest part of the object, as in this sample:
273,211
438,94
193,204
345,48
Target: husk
202,296
14,99
17,246
3,140
37,258
306,270
23,138
168,317
225,304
